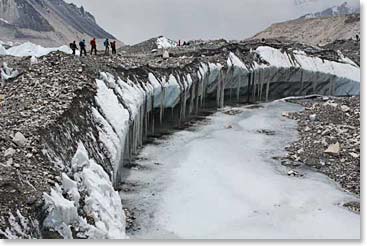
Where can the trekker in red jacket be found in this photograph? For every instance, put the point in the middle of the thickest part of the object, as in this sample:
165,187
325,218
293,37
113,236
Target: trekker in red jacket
93,44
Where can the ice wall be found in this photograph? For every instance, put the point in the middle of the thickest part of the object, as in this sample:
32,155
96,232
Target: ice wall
126,110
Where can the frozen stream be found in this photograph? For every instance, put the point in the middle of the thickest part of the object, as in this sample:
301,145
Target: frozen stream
218,181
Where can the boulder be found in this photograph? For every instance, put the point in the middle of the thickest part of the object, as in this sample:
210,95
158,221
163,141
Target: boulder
165,54
9,152
345,108
333,149
19,139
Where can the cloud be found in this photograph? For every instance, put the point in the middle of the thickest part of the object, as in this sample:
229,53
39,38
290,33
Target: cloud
133,21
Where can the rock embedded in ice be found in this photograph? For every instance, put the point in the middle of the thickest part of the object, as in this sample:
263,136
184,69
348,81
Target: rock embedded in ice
293,173
333,149
19,139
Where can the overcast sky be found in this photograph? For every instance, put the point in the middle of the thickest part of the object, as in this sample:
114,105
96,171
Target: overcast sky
133,21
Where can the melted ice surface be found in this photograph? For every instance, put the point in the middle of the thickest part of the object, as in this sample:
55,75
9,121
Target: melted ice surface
219,181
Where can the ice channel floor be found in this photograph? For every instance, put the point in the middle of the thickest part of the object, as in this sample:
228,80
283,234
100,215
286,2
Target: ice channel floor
218,181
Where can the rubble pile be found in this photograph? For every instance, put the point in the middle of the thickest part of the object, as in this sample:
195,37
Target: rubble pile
350,47
329,139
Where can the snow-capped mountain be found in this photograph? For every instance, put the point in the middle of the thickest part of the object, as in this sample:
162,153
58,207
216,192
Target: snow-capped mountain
343,9
46,22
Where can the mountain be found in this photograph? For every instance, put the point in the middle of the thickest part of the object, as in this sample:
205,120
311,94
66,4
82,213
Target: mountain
336,23
47,22
343,9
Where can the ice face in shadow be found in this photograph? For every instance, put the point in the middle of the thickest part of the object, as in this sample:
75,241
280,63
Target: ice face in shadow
220,182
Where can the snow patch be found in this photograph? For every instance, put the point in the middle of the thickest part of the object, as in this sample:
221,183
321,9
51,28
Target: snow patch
31,49
165,43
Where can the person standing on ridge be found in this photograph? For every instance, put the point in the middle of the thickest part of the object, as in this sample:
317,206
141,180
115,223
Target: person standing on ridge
82,46
113,47
73,47
107,46
93,44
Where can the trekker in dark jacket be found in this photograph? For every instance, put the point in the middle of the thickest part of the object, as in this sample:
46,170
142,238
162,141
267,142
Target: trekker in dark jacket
113,47
82,46
93,44
107,46
73,47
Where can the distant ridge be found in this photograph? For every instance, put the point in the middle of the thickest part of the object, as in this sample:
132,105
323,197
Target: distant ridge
321,28
46,22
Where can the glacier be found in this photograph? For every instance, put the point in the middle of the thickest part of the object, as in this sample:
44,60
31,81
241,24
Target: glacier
127,109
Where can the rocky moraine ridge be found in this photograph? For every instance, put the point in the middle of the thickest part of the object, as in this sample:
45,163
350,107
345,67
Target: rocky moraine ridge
329,141
67,122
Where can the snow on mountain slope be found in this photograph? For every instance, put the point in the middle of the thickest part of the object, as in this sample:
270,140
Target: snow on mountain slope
343,9
46,22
